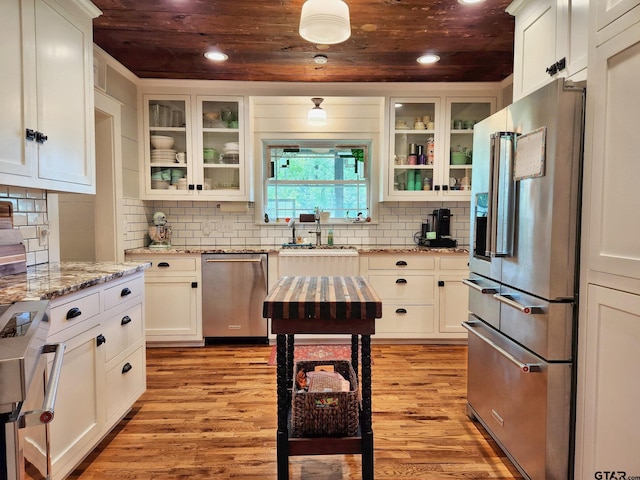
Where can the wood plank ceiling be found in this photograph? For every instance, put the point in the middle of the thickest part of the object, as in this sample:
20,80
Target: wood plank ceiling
167,39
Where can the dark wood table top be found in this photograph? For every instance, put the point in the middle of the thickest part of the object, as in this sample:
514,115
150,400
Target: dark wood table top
325,298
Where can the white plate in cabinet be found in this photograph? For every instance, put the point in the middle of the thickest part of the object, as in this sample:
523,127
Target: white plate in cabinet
400,320
123,292
74,313
400,263
404,287
125,381
122,331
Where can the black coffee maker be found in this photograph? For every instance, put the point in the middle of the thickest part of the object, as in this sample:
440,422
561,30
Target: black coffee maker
439,236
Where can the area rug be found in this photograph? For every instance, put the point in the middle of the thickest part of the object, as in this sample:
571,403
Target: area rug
316,352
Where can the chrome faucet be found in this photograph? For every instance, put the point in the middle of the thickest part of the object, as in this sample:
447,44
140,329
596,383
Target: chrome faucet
318,231
292,224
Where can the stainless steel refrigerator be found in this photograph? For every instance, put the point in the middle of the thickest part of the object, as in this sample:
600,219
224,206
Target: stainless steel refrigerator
523,292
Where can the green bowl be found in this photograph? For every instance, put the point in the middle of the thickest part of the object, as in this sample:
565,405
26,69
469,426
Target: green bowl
458,158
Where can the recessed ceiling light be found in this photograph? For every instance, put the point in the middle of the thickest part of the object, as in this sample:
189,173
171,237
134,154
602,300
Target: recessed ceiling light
320,59
428,58
469,2
216,56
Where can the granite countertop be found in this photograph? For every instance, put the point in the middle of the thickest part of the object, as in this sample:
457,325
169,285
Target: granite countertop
48,281
274,249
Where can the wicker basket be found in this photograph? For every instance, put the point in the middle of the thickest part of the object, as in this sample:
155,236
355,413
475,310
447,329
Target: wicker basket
326,414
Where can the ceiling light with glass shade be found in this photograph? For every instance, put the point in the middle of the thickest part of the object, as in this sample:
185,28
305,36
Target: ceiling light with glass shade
325,22
317,117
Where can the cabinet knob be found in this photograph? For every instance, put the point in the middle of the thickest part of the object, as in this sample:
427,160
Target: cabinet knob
41,137
441,283
73,313
125,320
125,291
198,187
401,280
192,186
552,69
436,187
127,367
30,134
100,340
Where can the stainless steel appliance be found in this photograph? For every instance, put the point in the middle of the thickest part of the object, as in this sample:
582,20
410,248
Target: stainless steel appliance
524,278
23,336
234,287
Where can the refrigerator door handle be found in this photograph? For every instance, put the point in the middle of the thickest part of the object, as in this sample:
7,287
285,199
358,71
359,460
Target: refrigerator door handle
510,301
484,290
501,194
524,367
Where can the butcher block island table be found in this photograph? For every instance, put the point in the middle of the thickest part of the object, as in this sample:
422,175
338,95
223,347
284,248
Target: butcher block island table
323,305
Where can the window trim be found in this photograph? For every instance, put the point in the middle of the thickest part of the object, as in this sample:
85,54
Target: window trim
320,141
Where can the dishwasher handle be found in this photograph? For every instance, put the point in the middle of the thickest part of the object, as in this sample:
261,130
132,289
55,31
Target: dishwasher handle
235,260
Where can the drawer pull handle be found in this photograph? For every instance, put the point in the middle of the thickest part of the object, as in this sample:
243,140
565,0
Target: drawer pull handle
484,290
524,367
401,263
126,319
125,291
163,265
127,367
401,310
401,280
100,340
73,313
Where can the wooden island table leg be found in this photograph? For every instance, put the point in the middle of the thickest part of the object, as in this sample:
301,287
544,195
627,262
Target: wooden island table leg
367,430
282,442
354,353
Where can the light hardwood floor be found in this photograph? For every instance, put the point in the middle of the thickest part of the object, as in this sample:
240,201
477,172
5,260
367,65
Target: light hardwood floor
210,413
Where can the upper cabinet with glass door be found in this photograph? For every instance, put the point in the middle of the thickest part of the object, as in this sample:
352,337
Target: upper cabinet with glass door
194,148
220,143
168,157
462,114
413,156
431,146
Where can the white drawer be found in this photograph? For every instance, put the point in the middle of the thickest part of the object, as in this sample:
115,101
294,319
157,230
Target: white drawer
122,330
404,287
125,382
454,263
403,319
399,262
75,310
122,292
163,265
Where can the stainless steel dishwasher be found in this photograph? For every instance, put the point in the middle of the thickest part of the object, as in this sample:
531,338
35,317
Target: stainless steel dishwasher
234,285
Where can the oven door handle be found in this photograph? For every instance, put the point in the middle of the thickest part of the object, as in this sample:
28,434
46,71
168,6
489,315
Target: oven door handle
510,301
46,413
484,290
524,367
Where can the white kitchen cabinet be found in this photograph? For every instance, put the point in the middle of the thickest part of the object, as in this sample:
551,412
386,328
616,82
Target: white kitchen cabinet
550,41
173,312
209,130
416,306
441,174
453,295
612,166
608,12
46,129
102,328
608,415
